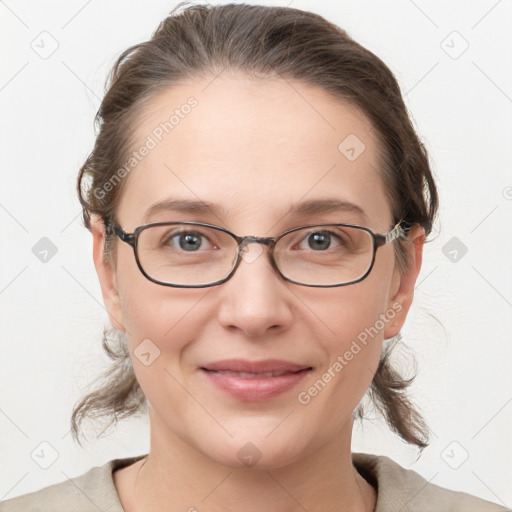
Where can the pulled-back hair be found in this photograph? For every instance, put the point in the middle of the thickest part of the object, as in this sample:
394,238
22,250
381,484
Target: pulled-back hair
202,41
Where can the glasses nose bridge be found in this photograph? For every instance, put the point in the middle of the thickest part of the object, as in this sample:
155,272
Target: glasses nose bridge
246,240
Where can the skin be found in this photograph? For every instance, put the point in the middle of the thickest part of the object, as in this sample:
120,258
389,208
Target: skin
254,146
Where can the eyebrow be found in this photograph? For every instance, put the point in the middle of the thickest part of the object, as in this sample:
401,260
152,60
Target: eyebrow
307,208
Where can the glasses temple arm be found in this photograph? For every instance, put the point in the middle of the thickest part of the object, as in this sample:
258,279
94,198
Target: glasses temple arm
111,228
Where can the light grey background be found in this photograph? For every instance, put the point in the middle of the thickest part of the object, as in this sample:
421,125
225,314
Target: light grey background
460,325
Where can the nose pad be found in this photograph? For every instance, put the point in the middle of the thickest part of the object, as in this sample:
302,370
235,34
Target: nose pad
250,256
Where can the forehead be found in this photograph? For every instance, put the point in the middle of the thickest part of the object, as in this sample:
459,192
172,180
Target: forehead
255,147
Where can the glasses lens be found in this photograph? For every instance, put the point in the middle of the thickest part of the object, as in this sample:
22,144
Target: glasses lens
186,254
325,255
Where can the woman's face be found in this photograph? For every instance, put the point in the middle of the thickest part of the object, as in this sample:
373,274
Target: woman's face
255,148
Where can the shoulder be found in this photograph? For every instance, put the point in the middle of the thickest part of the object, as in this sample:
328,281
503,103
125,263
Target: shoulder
404,489
91,491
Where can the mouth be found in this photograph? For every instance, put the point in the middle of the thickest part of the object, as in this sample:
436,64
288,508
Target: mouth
247,375
255,380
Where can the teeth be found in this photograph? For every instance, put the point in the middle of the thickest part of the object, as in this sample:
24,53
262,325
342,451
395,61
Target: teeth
246,375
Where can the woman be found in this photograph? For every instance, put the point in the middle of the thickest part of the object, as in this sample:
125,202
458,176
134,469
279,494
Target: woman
259,202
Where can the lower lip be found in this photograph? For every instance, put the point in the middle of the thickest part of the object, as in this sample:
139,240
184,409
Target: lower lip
255,389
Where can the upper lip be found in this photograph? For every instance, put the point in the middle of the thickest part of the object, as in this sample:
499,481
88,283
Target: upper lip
263,366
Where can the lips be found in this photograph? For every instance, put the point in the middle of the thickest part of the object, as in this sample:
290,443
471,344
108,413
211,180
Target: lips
248,375
255,367
255,380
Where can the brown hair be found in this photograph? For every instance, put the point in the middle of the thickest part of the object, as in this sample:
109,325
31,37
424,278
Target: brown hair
202,41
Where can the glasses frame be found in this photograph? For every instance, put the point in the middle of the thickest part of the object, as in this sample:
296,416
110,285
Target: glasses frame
378,239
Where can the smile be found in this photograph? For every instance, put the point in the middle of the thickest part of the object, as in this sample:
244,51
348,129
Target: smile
254,381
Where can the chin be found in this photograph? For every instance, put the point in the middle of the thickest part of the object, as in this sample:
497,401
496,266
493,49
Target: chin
256,451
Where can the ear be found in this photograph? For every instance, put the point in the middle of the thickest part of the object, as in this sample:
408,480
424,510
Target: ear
402,291
106,274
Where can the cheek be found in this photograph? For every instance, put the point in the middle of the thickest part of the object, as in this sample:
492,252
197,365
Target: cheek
354,319
160,323
152,311
354,312
163,325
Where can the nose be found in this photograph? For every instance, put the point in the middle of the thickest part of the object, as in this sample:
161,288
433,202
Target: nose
256,300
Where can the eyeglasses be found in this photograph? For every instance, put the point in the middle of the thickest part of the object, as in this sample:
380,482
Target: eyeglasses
197,255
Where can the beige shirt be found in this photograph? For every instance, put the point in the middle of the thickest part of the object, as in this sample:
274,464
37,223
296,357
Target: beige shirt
398,490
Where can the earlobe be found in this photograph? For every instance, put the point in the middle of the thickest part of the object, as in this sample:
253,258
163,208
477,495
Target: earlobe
403,292
106,274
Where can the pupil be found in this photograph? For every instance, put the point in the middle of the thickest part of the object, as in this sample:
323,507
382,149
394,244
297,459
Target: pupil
322,240
189,241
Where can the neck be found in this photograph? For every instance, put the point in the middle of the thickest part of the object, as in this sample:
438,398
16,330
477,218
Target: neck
175,476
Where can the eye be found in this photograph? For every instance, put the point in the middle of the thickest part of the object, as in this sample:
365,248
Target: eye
189,241
321,240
